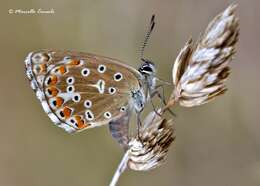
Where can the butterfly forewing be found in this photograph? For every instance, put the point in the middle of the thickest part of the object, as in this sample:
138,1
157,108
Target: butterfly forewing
81,90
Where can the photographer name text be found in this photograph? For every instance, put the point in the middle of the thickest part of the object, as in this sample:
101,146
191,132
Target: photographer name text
31,11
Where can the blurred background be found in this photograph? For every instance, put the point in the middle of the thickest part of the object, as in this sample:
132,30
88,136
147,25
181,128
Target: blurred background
217,144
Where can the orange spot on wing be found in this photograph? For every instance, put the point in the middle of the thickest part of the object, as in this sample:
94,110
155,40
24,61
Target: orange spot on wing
67,112
43,68
80,122
52,91
59,102
74,62
38,69
54,80
62,69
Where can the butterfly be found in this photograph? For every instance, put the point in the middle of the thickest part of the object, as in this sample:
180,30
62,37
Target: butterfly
80,90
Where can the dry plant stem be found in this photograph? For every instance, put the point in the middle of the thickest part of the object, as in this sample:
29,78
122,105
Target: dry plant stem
147,150
120,169
171,102
201,69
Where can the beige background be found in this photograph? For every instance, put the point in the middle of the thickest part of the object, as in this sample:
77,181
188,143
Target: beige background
217,144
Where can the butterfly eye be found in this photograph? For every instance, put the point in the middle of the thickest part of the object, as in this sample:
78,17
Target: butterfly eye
88,104
111,90
76,98
147,69
85,72
107,115
101,68
118,76
89,115
70,80
70,88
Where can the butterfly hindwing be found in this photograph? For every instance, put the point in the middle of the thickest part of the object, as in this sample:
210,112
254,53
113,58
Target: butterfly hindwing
80,90
119,129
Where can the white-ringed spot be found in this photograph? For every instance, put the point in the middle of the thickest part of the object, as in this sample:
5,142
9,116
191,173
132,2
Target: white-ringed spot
111,90
85,72
70,80
70,88
118,76
107,115
122,109
87,103
89,115
76,98
101,68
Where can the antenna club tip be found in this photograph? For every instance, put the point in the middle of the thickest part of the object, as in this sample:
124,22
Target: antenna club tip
152,18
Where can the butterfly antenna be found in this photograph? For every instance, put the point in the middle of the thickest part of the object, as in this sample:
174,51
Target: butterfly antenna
147,36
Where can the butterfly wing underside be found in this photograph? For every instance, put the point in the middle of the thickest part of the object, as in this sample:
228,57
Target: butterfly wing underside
119,129
81,90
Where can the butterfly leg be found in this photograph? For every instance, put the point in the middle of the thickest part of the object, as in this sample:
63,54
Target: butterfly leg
156,92
155,110
151,93
161,96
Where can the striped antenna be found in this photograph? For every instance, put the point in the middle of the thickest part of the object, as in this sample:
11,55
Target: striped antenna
147,36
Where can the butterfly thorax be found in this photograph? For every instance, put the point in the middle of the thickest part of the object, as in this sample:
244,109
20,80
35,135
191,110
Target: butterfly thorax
148,71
